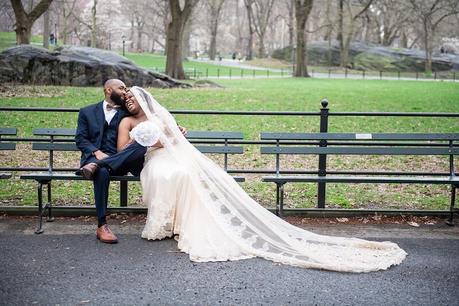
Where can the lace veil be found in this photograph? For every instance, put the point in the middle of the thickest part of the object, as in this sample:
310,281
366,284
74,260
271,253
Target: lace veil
256,230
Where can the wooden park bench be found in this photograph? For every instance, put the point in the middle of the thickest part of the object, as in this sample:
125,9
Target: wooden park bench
212,142
325,144
7,145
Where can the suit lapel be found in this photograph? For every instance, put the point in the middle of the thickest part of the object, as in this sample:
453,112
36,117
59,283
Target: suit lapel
100,117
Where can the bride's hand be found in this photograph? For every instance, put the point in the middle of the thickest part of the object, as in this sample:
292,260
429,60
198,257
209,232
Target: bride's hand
183,130
128,143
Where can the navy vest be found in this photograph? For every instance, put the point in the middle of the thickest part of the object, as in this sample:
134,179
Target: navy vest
110,135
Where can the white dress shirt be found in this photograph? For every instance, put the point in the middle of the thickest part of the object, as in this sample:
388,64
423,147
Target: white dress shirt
109,114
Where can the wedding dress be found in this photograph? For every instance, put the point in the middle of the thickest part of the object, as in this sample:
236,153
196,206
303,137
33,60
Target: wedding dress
212,218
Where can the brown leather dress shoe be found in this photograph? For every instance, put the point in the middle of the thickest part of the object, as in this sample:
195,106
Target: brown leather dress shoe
104,234
89,170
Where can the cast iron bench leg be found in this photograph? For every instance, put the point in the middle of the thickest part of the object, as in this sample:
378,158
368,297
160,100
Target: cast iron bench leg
281,200
450,221
39,229
277,198
49,206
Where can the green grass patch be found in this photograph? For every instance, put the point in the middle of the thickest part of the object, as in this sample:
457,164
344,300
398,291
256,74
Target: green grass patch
255,95
8,39
195,69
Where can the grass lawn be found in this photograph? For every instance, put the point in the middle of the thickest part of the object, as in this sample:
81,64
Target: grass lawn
8,39
260,94
194,69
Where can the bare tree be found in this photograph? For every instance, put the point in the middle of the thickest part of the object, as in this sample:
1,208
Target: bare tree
345,36
290,21
25,21
215,7
302,10
251,28
390,18
6,16
175,29
431,14
67,9
262,13
94,24
46,30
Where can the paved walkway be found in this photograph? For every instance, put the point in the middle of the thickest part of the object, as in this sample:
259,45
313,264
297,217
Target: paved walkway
67,266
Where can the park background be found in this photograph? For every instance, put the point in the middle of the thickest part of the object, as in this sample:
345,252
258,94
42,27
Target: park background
251,49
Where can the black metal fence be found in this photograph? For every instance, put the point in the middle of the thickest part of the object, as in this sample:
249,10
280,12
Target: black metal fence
324,114
324,72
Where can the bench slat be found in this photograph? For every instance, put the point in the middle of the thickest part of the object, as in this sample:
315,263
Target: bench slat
50,146
53,146
54,132
190,134
46,176
220,149
361,179
7,146
8,131
361,150
214,135
357,136
4,176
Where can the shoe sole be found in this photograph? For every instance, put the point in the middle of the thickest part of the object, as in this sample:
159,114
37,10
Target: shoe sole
107,241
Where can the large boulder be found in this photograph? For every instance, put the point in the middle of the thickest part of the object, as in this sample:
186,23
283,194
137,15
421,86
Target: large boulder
372,57
75,66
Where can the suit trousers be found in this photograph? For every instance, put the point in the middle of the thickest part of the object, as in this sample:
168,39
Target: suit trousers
128,160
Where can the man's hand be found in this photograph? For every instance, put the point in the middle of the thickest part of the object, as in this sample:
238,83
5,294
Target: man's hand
100,155
183,130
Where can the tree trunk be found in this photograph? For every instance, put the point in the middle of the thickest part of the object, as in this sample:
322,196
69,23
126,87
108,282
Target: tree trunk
343,56
139,36
215,7
186,36
175,29
290,23
261,47
64,27
404,40
174,66
25,21
213,43
302,10
248,6
46,30
94,25
428,51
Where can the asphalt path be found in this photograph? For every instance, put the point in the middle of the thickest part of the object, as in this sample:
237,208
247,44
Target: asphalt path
67,266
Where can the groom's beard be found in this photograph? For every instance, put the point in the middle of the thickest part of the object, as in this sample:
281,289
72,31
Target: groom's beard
117,99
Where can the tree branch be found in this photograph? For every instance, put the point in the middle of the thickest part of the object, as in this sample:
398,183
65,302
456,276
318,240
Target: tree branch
363,10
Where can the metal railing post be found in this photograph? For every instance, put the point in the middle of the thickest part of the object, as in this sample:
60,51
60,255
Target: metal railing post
321,187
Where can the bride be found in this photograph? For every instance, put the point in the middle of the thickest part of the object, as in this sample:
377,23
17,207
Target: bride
190,197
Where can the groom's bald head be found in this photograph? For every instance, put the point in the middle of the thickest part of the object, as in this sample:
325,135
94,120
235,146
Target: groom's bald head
114,91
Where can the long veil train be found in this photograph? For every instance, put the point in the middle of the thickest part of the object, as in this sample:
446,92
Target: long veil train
216,219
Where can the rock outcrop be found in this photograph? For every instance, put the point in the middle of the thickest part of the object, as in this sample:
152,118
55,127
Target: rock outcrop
75,66
372,57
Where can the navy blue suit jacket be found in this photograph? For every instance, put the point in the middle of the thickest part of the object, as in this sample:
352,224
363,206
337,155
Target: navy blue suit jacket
90,129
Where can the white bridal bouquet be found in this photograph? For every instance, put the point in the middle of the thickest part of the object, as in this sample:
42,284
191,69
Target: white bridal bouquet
145,133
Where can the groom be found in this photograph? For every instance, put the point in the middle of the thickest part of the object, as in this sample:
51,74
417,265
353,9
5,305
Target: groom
96,137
